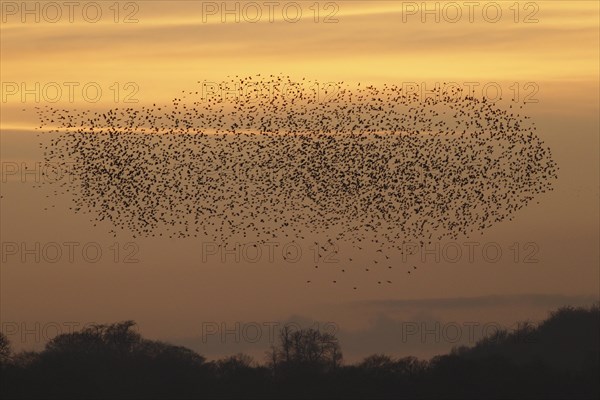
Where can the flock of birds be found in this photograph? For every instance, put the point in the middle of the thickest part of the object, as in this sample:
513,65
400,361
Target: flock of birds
370,166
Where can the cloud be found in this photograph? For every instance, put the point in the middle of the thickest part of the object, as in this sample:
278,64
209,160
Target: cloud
534,300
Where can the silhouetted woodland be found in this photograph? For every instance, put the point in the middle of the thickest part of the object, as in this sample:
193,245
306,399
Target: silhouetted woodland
556,359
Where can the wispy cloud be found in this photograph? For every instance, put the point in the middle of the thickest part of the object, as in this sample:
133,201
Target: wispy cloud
535,300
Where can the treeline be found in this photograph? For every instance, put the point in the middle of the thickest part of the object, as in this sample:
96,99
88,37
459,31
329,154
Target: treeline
556,359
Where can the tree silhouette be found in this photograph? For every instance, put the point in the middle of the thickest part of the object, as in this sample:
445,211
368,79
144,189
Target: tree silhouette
306,349
4,349
559,358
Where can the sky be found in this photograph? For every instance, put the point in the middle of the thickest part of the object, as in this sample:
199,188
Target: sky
141,53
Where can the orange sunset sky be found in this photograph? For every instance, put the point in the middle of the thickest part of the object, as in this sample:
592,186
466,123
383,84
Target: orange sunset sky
160,48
